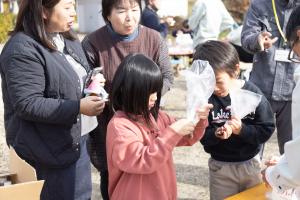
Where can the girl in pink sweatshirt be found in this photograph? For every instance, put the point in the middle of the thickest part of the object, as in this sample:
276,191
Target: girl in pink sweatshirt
140,137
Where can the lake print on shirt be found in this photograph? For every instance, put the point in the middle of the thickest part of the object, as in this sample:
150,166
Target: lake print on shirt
220,116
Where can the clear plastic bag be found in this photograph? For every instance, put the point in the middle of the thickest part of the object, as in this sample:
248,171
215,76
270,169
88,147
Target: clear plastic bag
200,82
243,102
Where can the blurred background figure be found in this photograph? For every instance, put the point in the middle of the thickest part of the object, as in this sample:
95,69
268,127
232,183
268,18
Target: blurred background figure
13,6
234,37
1,6
208,19
181,27
237,9
151,19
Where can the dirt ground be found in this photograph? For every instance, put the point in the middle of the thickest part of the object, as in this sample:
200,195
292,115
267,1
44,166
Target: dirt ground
190,162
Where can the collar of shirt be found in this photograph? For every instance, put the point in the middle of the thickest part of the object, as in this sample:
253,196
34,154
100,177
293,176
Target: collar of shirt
125,38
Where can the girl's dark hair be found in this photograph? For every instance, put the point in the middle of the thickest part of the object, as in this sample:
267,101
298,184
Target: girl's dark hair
136,78
30,21
108,5
222,56
293,24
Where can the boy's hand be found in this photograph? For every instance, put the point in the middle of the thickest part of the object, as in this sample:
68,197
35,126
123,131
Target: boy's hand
223,132
235,124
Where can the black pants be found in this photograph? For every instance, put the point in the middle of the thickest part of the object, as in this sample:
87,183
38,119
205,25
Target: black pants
283,115
243,54
70,183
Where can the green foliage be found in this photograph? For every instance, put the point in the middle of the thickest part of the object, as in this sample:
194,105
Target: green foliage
7,21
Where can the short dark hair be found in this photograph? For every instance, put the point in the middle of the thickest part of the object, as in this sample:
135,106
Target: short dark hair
107,6
136,78
293,24
30,20
222,56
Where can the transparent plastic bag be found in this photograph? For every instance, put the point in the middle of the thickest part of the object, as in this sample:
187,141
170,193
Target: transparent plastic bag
200,82
243,102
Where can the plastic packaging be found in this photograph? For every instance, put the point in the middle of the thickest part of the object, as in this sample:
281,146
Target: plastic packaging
243,102
200,82
93,86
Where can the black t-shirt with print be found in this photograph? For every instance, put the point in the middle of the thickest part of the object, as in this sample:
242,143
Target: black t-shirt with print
221,111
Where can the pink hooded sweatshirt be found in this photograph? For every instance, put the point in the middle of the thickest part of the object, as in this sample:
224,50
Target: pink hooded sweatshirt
140,161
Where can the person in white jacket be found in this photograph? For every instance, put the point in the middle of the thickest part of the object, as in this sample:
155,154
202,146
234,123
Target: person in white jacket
208,20
285,174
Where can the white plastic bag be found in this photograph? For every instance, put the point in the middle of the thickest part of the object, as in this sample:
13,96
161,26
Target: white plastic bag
243,102
296,105
200,82
290,194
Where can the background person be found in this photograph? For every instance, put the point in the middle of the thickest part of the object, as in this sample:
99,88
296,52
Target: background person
208,20
285,174
107,47
151,19
271,72
43,68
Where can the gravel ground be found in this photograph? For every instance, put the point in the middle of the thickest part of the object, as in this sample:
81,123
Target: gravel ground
190,162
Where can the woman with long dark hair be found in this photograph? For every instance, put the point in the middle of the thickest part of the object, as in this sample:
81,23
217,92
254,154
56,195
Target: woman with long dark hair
47,120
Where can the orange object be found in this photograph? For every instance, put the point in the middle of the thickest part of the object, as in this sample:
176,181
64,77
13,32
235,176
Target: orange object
258,192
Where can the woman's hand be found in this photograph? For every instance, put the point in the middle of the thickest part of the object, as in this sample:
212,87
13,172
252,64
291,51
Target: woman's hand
203,111
183,127
91,105
236,125
224,132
